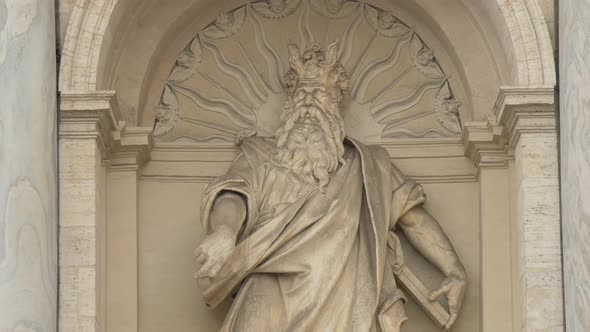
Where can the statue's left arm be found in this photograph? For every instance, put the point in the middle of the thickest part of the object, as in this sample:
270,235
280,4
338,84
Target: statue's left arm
426,235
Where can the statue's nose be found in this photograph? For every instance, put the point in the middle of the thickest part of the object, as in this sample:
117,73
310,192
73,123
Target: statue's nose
308,99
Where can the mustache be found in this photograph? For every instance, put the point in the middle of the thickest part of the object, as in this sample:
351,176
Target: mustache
316,110
311,111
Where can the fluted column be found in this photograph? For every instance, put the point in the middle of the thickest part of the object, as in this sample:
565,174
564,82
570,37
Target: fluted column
28,176
574,69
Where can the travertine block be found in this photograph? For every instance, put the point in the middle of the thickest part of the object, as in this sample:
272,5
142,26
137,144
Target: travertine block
81,221
540,242
87,293
77,246
78,182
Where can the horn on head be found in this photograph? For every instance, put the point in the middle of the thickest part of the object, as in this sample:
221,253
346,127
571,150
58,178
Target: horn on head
295,59
331,55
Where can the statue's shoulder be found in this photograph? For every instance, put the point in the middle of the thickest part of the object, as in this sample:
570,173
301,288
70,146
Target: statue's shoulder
376,152
258,147
381,160
379,152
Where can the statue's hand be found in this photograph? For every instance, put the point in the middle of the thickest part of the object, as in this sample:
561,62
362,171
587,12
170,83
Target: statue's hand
214,251
453,287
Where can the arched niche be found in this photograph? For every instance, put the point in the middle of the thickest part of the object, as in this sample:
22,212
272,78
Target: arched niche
143,39
131,47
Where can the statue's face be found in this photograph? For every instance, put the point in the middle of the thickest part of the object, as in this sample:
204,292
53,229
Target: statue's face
309,142
224,21
277,6
309,100
386,20
334,6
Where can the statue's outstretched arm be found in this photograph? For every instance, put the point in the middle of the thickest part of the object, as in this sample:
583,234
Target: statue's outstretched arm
227,216
426,235
228,213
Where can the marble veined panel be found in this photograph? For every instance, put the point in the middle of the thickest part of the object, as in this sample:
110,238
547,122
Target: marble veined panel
574,37
28,189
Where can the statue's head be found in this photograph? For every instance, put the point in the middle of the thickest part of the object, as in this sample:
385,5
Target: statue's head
310,140
319,71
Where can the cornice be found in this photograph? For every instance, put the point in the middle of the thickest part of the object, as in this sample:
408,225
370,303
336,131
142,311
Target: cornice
489,143
485,144
525,110
89,115
132,148
85,102
96,115
517,110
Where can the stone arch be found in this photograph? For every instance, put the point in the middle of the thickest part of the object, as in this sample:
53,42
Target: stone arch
521,31
529,39
83,44
526,34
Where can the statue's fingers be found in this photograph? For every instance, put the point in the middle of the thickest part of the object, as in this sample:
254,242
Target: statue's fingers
198,251
201,259
198,274
204,270
455,299
451,321
214,270
435,294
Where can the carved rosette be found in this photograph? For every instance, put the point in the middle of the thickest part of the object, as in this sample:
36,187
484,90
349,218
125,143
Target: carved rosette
229,81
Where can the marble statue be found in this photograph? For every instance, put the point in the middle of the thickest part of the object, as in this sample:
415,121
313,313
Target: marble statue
301,228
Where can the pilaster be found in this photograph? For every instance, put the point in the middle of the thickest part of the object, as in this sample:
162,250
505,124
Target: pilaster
122,242
94,143
520,141
486,145
530,119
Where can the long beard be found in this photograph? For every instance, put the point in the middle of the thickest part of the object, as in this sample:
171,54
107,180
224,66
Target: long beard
311,162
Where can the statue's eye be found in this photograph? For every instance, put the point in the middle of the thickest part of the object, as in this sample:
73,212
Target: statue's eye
318,93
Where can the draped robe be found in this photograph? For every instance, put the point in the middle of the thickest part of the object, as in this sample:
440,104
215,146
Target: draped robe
312,261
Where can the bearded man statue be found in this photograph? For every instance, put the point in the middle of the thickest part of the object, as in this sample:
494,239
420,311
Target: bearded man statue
301,228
